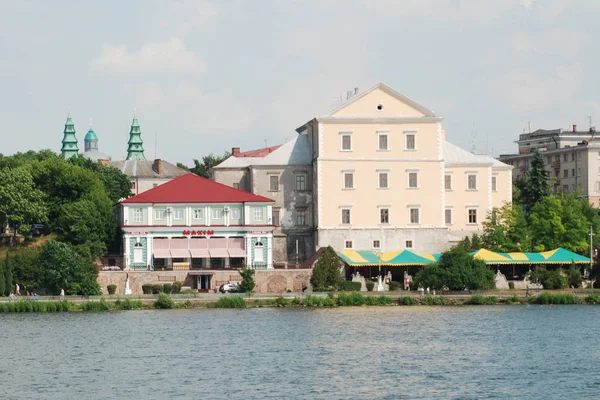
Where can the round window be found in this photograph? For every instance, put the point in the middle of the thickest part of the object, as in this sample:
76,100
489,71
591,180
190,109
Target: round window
379,107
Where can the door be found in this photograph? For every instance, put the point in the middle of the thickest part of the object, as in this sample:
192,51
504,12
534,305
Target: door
204,282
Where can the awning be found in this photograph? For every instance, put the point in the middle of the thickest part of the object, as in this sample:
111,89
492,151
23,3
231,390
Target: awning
199,253
237,252
180,253
161,253
200,273
218,253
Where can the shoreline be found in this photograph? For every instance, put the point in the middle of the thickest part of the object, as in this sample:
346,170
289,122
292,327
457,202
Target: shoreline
289,300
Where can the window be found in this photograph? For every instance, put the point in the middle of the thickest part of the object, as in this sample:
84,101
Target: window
472,182
557,158
376,244
217,213
300,182
159,214
565,173
348,180
199,213
275,216
258,214
235,213
383,180
448,182
410,141
565,157
133,183
301,217
383,141
494,188
259,254
414,215
412,180
408,244
346,142
348,244
178,214
346,216
472,216
384,215
566,188
572,171
274,183
137,215
572,156
448,216
236,185
138,254
578,171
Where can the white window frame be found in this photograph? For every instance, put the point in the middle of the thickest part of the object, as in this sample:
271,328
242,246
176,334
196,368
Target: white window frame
344,173
216,213
349,216
381,215
138,215
159,215
278,211
138,253
376,244
346,244
178,214
199,214
387,179
301,181
446,212
387,141
410,209
411,242
448,179
469,175
259,250
303,212
469,209
406,135
235,213
416,179
494,184
258,214
342,136
276,181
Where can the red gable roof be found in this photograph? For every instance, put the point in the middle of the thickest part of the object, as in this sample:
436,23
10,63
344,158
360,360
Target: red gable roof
191,188
258,153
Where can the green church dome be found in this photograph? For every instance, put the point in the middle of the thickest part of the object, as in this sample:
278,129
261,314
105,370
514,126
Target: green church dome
91,135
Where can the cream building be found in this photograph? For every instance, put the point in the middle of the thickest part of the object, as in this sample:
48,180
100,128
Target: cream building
385,178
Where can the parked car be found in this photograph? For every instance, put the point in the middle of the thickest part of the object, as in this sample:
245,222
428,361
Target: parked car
230,288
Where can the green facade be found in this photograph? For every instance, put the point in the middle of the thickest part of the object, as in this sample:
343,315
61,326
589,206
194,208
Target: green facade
135,149
251,252
145,260
69,143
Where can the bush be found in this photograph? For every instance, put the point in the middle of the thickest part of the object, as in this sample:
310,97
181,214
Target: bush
176,289
549,298
511,285
395,286
112,289
156,289
481,300
512,300
406,301
95,306
349,286
574,278
592,299
231,302
326,272
147,288
282,302
247,284
384,300
163,302
370,285
167,288
314,301
128,304
351,299
548,279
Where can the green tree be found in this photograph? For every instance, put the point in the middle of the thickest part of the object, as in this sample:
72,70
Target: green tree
247,284
8,276
547,278
505,229
117,184
574,278
21,203
535,185
326,272
457,270
23,261
209,161
2,282
61,267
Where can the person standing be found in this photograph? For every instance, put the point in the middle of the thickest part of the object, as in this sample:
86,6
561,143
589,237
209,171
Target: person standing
62,294
18,290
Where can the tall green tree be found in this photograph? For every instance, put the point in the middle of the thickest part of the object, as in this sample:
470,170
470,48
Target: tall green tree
534,186
247,284
505,229
117,184
21,203
209,161
2,282
8,275
326,274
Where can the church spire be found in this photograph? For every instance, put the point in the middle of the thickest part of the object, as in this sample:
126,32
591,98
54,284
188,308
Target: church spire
135,149
69,143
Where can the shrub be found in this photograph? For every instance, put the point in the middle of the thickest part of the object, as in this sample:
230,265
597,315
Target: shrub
147,288
370,285
167,288
112,289
511,285
231,302
384,300
163,302
481,300
548,298
349,286
592,299
189,291
128,304
512,300
314,301
326,272
395,285
247,284
156,289
351,299
95,306
176,289
574,278
282,302
187,304
548,279
406,301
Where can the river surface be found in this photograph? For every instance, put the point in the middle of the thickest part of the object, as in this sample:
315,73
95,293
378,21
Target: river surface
469,352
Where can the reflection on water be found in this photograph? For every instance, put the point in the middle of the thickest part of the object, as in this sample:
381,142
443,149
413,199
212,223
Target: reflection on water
349,353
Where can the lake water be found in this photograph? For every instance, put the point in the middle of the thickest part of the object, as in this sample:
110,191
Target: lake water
503,352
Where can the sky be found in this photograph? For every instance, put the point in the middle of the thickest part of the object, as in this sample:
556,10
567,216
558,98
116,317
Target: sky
205,76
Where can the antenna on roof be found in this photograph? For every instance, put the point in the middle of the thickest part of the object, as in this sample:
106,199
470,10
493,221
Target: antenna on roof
266,140
529,126
155,144
590,119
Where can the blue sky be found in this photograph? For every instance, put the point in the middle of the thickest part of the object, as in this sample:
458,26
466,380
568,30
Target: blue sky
206,76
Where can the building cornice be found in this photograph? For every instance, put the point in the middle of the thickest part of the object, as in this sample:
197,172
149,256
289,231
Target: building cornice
379,120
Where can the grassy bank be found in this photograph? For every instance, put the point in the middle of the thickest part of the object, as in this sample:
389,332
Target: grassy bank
352,299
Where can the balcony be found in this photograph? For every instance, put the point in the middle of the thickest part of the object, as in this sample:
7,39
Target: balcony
555,164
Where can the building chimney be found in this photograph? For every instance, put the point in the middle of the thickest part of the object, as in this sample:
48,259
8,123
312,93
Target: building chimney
158,167
349,94
355,91
235,151
574,128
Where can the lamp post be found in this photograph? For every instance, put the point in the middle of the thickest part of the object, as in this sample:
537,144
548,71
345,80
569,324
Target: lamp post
379,278
591,250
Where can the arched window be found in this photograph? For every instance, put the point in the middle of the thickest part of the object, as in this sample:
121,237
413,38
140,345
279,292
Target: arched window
138,255
259,255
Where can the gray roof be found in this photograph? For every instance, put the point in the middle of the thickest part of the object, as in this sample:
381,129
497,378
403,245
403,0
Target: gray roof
294,152
146,169
95,155
454,155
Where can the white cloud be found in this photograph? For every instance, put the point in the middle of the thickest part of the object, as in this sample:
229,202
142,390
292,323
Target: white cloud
169,56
